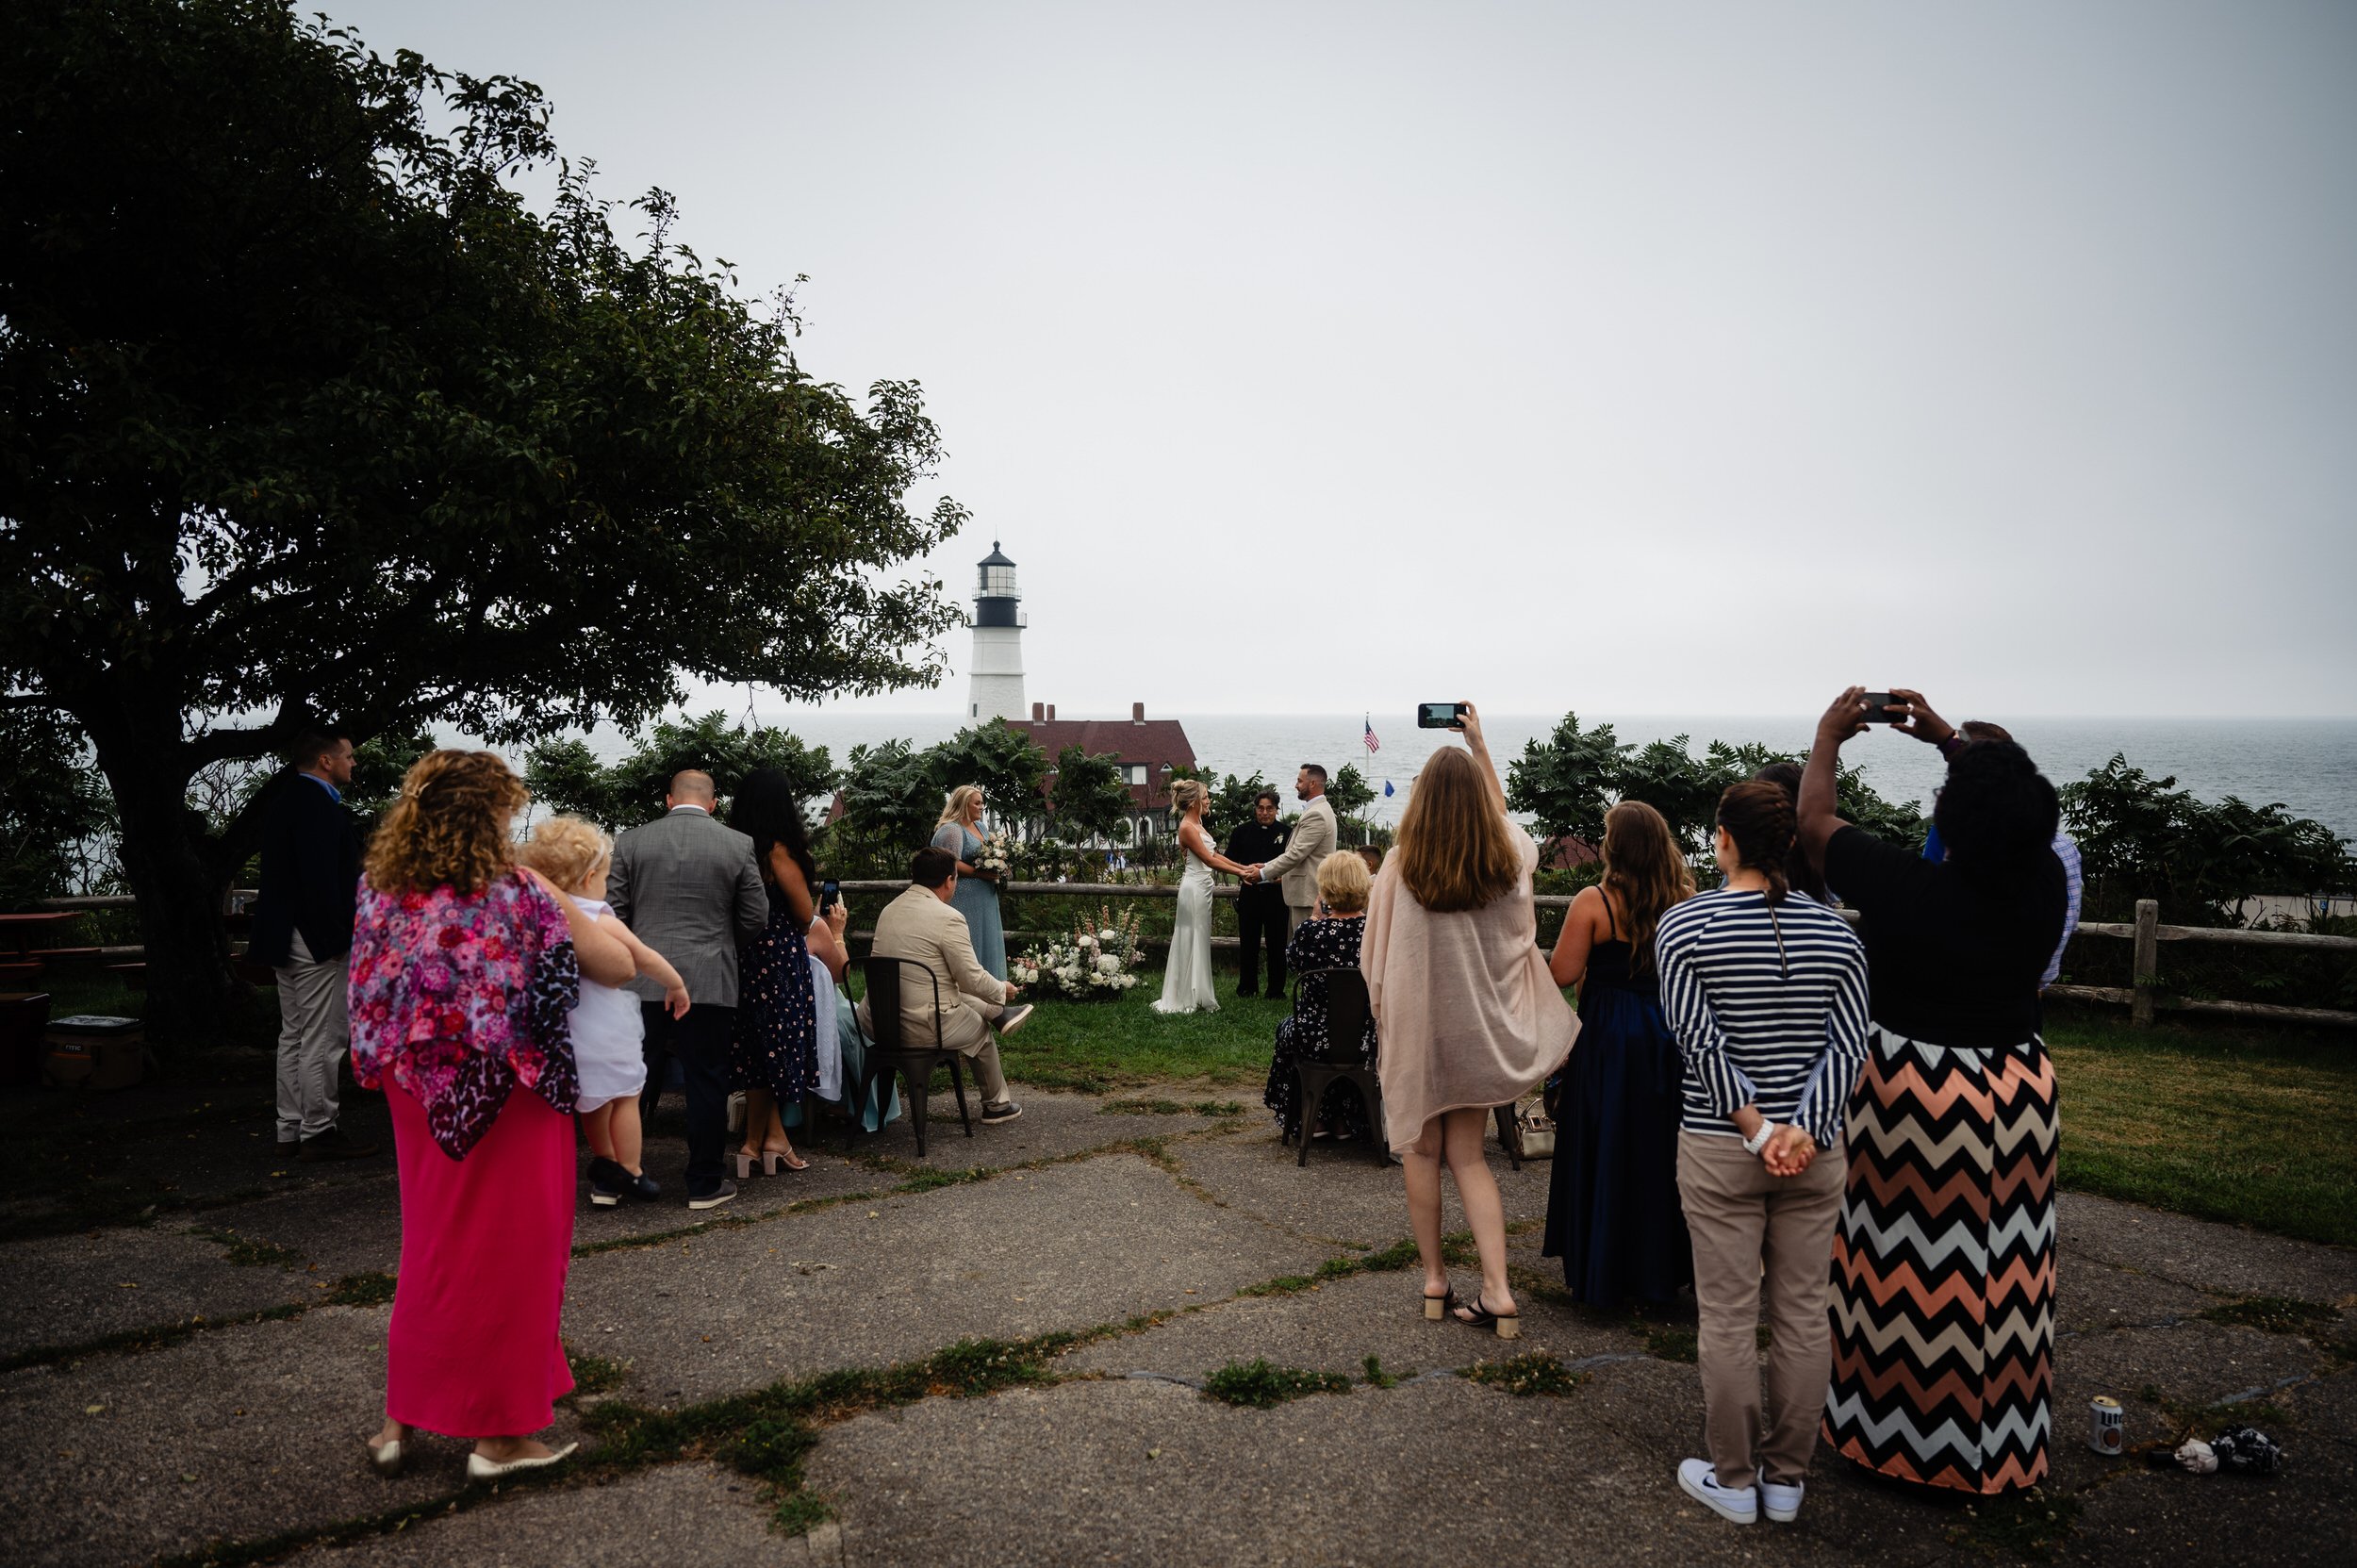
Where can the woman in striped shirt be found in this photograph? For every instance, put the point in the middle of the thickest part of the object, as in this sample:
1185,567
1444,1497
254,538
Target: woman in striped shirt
1765,991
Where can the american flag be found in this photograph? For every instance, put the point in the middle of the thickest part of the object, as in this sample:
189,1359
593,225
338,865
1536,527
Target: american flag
1373,744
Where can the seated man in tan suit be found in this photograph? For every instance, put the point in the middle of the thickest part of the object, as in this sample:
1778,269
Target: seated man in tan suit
921,928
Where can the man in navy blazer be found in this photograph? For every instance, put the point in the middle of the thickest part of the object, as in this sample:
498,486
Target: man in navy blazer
302,929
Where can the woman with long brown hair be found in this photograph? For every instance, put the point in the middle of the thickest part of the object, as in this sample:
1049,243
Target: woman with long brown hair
465,971
1467,1016
1612,1201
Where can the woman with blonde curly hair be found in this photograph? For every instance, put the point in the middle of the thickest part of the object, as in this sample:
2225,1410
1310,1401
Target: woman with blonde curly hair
464,971
1468,1016
960,831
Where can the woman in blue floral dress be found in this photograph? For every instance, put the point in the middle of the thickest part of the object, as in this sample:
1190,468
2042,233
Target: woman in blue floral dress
1329,940
774,1055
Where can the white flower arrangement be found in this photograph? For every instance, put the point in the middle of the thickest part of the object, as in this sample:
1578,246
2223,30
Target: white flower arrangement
1094,962
995,855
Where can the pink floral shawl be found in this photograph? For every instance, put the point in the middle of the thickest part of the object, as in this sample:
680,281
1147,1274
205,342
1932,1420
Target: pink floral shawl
458,998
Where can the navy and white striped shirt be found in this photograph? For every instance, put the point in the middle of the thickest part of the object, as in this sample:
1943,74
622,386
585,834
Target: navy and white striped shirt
1769,1008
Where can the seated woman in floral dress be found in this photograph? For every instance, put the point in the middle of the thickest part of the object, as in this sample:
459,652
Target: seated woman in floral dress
1327,940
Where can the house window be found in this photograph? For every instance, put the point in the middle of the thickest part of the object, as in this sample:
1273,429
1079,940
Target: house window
1137,772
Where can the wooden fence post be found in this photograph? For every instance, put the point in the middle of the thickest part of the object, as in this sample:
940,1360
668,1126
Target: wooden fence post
2148,962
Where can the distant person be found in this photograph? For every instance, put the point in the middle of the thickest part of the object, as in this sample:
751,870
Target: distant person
1925,725
961,833
773,1052
1612,1198
609,1036
688,887
831,961
1313,836
302,929
1187,977
1373,856
1262,922
1330,940
1766,990
464,971
1946,1237
1468,1017
976,1008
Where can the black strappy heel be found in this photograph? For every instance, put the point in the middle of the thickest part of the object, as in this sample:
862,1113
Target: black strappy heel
1508,1325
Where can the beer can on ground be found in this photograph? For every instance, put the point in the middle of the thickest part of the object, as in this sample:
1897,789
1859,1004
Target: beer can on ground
2107,1426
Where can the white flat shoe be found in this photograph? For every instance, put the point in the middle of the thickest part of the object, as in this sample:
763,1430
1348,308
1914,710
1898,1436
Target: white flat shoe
481,1469
1780,1503
387,1458
1702,1484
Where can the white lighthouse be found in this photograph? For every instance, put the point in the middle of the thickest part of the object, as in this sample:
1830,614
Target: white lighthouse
997,674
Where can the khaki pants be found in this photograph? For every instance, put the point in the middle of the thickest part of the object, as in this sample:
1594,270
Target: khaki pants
1752,1231
313,1037
964,1029
1298,916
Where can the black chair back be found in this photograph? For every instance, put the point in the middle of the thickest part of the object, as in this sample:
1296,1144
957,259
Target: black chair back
884,1001
1347,1012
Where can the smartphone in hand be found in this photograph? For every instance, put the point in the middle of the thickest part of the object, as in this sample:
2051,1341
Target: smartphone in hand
1440,716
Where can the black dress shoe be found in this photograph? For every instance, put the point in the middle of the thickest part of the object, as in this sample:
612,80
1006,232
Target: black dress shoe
333,1145
646,1189
608,1181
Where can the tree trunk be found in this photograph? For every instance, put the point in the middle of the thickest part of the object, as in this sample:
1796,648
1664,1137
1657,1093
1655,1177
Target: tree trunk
190,991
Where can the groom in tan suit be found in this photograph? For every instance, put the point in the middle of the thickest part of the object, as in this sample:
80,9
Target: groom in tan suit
1313,840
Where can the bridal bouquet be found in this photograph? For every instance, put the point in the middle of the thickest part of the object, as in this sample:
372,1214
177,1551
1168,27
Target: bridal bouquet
995,856
1094,962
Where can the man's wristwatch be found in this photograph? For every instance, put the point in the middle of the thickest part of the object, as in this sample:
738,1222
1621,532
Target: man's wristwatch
1758,1140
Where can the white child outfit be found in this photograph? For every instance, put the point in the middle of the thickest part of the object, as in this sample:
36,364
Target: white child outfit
608,1035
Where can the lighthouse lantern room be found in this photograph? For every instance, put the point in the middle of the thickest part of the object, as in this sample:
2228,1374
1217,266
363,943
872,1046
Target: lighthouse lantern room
996,689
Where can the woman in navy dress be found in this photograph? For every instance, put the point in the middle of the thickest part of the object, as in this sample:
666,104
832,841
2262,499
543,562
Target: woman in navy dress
1327,940
774,1054
977,897
1613,1214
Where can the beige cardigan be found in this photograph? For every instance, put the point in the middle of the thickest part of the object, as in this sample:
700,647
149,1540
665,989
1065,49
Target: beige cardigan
1466,1013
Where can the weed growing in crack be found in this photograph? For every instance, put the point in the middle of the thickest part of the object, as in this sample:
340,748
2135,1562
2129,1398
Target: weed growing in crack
2027,1524
1377,1376
2274,1314
1536,1373
361,1290
246,1252
1257,1385
594,1374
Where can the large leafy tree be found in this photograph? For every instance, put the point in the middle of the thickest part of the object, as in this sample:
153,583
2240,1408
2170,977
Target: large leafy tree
1005,762
2142,837
1088,798
1567,781
306,415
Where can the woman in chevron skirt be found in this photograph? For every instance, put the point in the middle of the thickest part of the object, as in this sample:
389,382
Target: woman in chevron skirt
1943,1265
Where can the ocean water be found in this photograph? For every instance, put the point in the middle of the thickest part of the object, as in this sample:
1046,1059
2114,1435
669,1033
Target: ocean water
2310,765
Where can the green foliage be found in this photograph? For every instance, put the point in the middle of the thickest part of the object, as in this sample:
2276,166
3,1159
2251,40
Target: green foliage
1004,761
311,415
1570,779
1349,791
1089,799
889,808
1257,1385
378,767
1230,805
2141,838
52,806
566,777
1523,1375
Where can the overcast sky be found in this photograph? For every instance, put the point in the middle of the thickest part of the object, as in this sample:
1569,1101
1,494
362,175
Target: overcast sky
1648,357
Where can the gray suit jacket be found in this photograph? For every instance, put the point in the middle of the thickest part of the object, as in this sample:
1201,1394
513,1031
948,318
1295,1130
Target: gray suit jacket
1297,867
687,887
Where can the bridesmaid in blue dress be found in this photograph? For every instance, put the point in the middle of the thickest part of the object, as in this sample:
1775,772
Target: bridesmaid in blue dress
977,897
1613,1214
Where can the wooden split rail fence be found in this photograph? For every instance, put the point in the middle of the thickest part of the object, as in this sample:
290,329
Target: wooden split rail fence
2144,999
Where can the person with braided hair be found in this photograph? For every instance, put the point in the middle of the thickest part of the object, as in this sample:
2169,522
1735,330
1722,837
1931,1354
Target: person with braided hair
1766,991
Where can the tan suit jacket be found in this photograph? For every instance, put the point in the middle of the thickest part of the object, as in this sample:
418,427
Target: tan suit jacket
919,927
1297,867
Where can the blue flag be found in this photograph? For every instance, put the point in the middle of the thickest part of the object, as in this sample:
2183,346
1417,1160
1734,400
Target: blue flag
1387,789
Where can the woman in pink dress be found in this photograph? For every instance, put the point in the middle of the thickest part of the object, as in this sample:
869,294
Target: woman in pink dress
464,972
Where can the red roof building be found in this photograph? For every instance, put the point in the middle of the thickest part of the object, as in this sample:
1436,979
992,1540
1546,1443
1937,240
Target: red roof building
1148,749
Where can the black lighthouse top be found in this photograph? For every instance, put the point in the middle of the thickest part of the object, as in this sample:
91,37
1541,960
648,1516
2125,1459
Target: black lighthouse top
996,596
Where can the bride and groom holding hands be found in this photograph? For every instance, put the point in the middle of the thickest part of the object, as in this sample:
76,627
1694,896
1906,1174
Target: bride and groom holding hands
1187,983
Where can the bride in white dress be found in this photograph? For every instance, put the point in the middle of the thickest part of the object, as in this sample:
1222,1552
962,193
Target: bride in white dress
1187,984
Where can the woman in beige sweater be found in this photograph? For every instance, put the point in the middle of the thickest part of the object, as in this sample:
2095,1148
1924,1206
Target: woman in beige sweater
1467,1016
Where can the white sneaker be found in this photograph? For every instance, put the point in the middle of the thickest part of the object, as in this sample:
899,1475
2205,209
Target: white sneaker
1782,1503
1702,1484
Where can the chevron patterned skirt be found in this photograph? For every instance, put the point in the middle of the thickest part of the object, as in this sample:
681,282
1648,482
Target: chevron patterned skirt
1943,1267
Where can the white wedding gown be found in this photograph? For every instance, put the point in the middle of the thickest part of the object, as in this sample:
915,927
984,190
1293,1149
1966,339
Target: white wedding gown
1187,983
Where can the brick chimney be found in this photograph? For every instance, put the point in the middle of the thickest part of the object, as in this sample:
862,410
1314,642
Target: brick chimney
1039,711
1137,713
1051,712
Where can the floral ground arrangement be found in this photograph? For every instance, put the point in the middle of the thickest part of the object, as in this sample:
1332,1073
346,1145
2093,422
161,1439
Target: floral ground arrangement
1097,961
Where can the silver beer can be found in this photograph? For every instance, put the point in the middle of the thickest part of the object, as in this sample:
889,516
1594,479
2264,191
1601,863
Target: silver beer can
2107,1426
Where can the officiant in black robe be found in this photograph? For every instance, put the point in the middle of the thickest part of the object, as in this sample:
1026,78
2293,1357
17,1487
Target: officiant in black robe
1260,906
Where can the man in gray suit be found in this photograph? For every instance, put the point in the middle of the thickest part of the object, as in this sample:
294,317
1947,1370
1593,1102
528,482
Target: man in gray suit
1313,840
687,887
